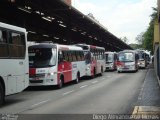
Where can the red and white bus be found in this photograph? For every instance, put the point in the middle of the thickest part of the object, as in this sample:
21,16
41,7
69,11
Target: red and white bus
14,70
127,61
54,64
94,58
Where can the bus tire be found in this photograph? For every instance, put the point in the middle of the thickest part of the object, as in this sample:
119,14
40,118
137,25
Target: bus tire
60,83
136,70
77,78
2,94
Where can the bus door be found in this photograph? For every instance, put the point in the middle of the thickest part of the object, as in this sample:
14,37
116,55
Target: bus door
64,65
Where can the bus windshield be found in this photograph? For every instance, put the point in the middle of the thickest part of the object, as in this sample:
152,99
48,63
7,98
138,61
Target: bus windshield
126,57
109,57
141,56
42,57
87,57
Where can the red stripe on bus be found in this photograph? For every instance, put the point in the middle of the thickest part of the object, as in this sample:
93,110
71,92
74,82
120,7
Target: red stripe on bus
65,68
92,46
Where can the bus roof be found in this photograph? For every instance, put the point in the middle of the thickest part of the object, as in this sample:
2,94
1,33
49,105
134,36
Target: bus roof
43,45
12,27
90,46
51,45
110,52
70,47
133,51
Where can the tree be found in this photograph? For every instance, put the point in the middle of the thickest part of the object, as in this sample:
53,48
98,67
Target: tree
146,38
124,39
134,46
149,34
140,38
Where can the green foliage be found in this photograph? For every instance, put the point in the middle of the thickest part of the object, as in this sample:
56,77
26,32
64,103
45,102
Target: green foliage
140,38
124,39
135,46
145,39
148,38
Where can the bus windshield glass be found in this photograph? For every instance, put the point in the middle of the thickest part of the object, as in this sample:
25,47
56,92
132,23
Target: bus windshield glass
126,57
42,57
109,58
88,56
141,56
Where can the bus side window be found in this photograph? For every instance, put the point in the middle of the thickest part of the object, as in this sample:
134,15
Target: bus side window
82,55
3,44
69,56
88,57
16,44
74,55
65,57
78,56
60,57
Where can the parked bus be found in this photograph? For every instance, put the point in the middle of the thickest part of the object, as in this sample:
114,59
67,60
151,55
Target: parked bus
142,61
111,60
127,61
95,59
14,76
52,64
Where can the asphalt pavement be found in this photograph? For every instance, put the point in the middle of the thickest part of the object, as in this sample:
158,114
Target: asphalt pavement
112,93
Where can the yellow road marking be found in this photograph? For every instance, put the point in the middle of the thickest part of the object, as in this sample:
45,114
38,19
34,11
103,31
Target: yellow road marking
151,110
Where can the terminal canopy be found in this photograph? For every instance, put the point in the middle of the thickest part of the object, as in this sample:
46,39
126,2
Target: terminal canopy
53,20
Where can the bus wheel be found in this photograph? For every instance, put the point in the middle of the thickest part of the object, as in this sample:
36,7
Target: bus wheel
77,79
60,84
2,95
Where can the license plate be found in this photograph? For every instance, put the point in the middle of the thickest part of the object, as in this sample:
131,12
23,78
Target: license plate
125,68
37,78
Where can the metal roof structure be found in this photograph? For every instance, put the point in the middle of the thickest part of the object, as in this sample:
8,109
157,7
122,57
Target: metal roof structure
53,20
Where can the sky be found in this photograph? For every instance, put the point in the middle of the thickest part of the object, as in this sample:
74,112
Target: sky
123,18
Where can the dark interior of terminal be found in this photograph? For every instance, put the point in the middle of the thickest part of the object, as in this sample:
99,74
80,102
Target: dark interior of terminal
54,20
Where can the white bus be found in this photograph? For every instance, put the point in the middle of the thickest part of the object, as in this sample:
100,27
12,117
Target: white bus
142,62
111,60
54,64
14,70
127,61
95,59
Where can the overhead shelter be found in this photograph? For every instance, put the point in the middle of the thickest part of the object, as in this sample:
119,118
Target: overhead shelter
53,20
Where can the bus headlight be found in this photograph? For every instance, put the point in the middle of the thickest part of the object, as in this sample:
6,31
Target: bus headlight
111,64
49,74
88,68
